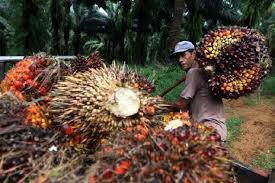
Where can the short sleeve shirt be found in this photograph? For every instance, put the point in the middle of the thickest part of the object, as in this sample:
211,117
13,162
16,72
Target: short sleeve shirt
203,105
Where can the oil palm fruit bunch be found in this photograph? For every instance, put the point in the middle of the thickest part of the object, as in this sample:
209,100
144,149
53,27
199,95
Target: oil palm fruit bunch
233,53
21,77
144,84
81,64
186,154
33,76
60,167
16,78
94,103
31,79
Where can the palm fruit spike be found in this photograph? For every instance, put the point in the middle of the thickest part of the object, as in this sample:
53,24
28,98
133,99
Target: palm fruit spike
81,64
185,154
99,101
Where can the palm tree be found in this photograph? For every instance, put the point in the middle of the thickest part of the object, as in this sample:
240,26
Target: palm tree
142,25
126,7
174,33
211,14
55,8
67,25
253,9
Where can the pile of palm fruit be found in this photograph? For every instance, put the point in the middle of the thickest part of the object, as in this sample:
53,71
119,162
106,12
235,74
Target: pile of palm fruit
186,154
88,106
238,59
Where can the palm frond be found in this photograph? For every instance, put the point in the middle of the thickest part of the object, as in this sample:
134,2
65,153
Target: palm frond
93,45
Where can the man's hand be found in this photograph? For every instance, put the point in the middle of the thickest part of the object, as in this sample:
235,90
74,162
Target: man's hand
180,105
160,98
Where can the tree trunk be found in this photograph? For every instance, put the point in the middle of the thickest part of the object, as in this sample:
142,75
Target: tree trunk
272,52
77,32
139,45
27,45
139,51
109,51
126,8
77,40
3,43
2,52
162,44
195,30
67,23
55,26
113,50
122,37
174,33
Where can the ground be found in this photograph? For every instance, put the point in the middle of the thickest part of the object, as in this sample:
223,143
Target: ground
253,139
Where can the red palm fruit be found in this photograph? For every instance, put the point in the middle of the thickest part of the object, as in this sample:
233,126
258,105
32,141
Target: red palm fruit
124,164
43,91
68,130
119,170
18,84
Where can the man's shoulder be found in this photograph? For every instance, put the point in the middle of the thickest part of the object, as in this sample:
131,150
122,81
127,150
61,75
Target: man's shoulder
195,71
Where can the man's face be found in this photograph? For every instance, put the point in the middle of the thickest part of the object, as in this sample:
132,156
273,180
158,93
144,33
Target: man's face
186,59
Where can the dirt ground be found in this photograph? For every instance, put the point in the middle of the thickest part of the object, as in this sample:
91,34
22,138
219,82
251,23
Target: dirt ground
257,129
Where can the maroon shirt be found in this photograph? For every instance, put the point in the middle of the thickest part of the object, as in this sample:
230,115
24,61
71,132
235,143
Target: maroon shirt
203,106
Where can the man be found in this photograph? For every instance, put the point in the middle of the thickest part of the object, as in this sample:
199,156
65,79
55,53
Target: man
196,97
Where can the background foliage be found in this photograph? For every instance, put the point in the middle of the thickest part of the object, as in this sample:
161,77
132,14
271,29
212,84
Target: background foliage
138,32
